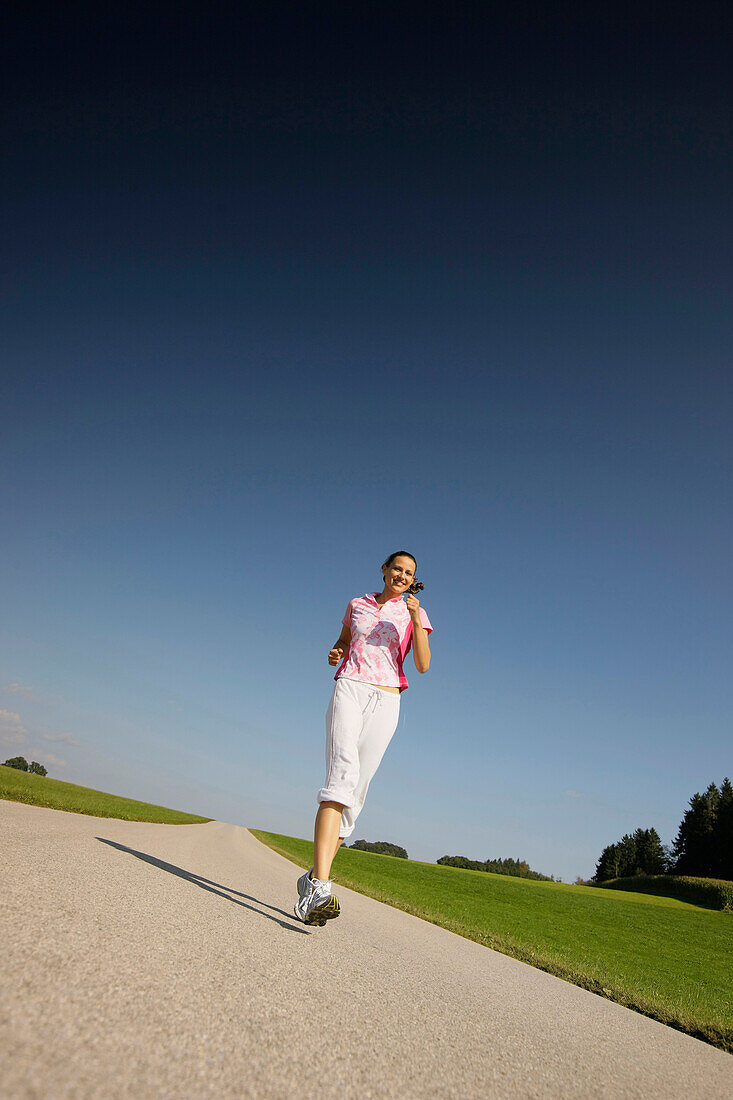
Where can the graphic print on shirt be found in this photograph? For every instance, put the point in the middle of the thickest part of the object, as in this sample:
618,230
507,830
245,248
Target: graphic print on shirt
385,634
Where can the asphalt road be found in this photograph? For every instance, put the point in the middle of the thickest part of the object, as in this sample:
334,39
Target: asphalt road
164,961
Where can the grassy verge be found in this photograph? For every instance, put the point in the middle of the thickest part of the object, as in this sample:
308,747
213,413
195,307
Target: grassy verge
39,790
658,955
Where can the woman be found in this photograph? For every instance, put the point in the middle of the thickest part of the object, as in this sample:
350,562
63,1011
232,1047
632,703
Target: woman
379,629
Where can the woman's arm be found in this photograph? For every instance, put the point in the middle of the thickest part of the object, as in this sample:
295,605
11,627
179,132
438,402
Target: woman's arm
420,645
340,646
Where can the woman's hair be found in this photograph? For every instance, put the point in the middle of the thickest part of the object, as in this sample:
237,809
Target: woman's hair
416,586
399,554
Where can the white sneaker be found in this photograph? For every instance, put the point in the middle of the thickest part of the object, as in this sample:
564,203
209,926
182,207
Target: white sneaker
316,903
304,882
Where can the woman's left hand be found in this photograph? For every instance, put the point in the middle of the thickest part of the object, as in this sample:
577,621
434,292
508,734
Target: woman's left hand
413,606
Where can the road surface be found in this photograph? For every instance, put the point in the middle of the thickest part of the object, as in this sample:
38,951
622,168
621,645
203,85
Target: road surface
149,961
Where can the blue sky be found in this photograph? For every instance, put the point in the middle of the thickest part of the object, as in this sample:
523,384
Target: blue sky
264,329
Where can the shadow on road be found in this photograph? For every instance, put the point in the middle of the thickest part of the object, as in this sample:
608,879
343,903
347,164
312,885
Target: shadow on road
212,887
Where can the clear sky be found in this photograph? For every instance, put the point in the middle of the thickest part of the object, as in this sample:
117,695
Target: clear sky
287,291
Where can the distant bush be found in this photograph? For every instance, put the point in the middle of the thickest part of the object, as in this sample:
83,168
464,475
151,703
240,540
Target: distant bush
22,765
709,892
18,762
518,868
381,847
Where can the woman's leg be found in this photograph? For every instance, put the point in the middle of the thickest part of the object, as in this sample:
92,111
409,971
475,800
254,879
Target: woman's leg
343,727
380,724
326,839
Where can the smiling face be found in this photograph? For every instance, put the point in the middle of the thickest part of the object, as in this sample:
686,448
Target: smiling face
399,574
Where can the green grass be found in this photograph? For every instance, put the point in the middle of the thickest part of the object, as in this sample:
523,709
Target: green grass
39,790
661,956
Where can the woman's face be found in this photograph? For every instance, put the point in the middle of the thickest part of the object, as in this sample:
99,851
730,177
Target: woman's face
399,574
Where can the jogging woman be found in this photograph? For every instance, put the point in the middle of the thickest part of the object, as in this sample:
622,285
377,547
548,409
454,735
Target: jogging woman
379,629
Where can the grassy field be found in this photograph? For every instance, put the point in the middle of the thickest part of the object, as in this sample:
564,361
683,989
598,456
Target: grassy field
39,790
661,956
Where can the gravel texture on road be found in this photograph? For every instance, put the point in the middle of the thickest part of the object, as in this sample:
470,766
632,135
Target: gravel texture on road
148,961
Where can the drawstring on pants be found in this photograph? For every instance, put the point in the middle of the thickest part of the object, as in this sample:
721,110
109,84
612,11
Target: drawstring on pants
376,694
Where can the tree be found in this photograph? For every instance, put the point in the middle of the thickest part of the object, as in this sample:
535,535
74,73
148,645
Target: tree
724,832
608,864
519,868
626,856
36,768
650,858
639,854
694,846
18,762
703,846
381,847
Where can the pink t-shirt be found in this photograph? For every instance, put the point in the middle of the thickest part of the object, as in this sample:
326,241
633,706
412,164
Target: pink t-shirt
381,638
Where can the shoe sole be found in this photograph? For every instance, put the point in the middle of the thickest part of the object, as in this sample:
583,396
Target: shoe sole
322,913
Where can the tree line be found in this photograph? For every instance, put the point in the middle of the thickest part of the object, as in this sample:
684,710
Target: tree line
639,853
22,765
519,868
703,847
382,847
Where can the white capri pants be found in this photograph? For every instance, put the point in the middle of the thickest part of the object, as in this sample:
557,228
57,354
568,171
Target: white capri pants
360,721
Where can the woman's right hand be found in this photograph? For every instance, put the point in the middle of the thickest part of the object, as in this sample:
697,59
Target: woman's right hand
335,655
